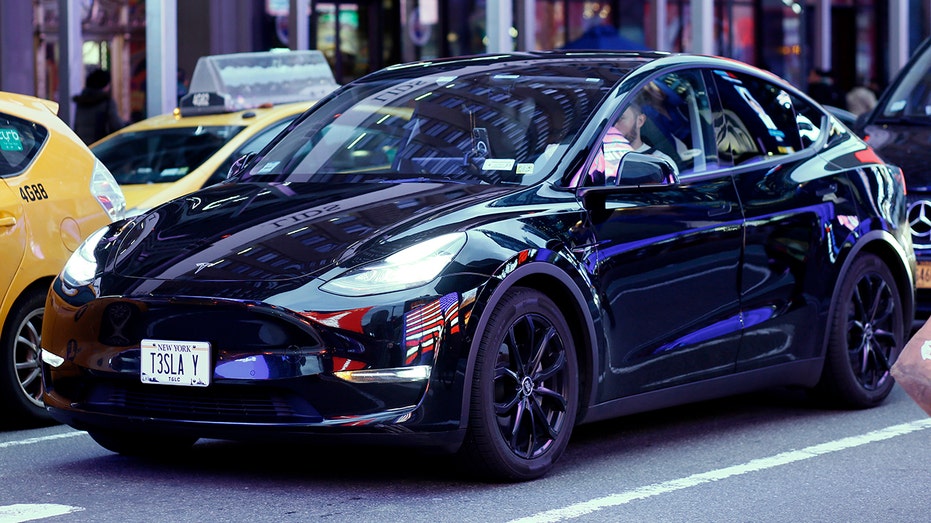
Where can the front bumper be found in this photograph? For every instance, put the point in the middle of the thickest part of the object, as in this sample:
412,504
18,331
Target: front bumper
274,374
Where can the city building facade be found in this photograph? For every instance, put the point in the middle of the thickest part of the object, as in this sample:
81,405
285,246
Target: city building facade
151,46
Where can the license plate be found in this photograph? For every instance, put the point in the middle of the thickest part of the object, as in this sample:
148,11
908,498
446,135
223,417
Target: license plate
924,276
170,362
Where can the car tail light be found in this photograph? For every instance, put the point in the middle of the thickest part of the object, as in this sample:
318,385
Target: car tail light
108,192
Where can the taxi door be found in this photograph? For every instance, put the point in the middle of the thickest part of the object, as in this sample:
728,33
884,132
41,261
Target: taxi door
12,238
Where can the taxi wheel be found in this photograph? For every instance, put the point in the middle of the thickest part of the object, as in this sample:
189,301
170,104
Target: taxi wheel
867,333
21,383
524,391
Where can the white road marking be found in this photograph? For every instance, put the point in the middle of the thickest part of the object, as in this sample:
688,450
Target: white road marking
621,498
30,441
23,512
30,512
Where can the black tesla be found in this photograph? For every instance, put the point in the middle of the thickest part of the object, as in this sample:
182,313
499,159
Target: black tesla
479,253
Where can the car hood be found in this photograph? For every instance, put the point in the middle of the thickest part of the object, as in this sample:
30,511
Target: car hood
275,232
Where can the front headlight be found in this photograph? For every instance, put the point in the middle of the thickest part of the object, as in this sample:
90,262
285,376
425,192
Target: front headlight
82,266
407,268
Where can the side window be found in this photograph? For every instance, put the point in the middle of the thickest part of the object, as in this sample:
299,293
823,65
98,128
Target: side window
669,119
20,141
810,121
679,121
759,119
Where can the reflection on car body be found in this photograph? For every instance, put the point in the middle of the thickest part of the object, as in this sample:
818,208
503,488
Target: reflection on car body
419,259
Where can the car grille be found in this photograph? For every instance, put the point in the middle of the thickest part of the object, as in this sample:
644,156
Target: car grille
230,327
919,223
232,404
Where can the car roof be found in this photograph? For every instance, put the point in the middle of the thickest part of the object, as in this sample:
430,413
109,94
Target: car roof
27,106
632,60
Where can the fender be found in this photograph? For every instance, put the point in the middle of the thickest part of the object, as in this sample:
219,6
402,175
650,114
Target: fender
906,266
585,306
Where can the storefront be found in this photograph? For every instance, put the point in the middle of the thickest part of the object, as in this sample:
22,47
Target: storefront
360,36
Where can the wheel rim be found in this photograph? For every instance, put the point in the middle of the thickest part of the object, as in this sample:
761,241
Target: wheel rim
871,331
26,356
530,386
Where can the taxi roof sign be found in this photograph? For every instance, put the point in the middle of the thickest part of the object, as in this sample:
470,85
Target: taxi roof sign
233,82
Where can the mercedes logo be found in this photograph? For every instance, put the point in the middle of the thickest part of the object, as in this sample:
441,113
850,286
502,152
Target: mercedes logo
919,221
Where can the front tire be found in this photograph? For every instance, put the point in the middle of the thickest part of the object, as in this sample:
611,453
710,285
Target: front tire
20,370
524,395
867,333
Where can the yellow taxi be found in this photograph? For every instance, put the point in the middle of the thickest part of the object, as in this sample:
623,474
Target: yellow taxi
236,105
53,194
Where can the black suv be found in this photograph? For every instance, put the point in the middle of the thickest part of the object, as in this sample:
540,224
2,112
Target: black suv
899,129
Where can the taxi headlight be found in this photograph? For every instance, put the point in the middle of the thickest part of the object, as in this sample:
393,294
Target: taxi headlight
82,265
107,192
405,269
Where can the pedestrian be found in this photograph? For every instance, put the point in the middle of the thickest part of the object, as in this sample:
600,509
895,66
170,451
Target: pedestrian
861,99
96,115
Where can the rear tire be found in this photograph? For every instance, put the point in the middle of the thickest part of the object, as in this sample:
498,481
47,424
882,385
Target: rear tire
524,395
20,370
867,334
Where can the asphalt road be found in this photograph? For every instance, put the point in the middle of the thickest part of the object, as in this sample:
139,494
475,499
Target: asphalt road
772,456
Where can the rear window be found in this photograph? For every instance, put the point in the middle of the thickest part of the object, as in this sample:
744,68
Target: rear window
161,156
20,142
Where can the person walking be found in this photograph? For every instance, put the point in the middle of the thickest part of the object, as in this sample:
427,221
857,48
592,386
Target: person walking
96,114
861,99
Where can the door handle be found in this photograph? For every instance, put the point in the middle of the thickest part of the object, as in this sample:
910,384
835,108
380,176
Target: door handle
721,208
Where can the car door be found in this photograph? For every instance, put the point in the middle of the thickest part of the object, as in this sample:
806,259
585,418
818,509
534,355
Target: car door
666,256
790,208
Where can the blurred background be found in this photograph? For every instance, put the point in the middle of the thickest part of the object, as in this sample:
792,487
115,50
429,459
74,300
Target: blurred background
150,47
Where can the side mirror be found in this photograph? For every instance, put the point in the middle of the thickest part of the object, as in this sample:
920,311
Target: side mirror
643,169
239,165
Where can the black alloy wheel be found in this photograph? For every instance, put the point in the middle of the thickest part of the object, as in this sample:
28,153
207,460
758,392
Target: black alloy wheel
867,334
525,390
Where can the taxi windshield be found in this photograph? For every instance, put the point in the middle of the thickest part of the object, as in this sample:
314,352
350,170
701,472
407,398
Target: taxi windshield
163,155
469,124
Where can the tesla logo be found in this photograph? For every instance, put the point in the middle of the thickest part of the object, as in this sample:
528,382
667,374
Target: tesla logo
205,265
119,315
919,222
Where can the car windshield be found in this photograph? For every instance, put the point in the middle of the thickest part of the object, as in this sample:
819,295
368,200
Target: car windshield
163,155
912,96
470,124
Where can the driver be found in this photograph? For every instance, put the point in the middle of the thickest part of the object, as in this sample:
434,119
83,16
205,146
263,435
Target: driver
624,137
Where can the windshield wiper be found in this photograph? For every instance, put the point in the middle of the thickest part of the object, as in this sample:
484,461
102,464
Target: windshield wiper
417,179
